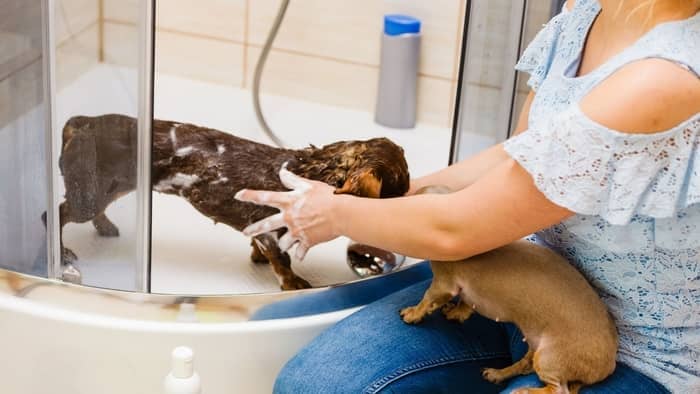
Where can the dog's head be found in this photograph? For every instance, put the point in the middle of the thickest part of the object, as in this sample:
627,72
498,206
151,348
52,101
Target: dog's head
374,168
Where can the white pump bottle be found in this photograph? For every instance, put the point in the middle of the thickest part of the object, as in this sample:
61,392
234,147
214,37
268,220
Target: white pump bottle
182,379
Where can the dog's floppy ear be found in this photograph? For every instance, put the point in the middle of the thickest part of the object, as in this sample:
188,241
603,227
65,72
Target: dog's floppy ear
362,183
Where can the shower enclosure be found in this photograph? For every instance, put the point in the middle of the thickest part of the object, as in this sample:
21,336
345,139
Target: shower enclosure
192,61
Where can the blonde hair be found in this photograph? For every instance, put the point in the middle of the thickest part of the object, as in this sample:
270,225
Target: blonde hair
651,5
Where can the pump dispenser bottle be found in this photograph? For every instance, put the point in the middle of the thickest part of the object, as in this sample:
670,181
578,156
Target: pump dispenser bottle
182,379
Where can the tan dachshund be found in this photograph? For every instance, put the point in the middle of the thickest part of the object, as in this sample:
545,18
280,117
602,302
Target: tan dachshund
571,335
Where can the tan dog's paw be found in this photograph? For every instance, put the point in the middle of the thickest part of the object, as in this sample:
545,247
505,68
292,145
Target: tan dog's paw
494,375
457,312
412,315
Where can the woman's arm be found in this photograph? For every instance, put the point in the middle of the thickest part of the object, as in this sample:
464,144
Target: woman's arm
502,206
462,174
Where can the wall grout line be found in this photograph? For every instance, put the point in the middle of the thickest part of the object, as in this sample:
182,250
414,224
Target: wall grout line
248,45
101,31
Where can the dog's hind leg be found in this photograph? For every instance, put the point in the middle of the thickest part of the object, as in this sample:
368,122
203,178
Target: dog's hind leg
104,226
280,262
256,255
67,255
458,312
522,367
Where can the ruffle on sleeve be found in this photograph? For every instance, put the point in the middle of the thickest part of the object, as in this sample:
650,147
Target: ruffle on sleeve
539,54
592,170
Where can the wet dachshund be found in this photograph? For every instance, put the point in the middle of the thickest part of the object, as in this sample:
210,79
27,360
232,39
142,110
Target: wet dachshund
207,167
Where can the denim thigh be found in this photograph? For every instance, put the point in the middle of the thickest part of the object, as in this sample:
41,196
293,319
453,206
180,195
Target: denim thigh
374,351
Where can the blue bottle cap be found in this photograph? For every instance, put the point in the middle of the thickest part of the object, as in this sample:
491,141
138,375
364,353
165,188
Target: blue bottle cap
396,24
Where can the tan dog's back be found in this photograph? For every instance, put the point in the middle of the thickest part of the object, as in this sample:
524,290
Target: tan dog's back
546,297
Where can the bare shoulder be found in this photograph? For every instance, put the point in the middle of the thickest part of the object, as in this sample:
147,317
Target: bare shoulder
644,97
570,4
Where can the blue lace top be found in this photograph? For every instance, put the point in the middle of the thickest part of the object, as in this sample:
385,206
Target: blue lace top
636,197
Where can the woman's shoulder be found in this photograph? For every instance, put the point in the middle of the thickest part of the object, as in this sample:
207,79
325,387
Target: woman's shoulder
644,97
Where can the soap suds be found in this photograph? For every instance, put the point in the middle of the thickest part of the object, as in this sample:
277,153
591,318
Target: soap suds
182,152
180,181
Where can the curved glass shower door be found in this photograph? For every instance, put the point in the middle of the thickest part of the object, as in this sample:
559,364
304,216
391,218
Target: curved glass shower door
23,138
101,144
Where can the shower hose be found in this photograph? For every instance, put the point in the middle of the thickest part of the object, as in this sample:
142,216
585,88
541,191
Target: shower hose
258,73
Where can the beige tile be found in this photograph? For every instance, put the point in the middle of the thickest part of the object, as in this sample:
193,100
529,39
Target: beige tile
317,80
75,56
223,19
351,30
199,58
122,10
435,101
74,16
343,84
120,44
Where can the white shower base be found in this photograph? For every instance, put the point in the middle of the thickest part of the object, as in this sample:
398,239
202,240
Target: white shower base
190,254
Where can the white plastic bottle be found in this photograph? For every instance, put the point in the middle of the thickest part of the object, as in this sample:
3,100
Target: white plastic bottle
182,379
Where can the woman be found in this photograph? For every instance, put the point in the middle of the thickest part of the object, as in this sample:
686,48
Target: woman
605,168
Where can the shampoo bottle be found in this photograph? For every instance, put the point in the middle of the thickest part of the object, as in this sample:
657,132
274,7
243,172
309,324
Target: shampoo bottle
182,379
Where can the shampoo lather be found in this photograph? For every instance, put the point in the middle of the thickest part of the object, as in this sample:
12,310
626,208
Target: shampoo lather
182,379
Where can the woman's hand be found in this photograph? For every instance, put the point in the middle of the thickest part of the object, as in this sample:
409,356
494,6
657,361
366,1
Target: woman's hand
306,211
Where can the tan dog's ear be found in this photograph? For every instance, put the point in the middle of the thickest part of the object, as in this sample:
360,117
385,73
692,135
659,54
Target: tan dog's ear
363,184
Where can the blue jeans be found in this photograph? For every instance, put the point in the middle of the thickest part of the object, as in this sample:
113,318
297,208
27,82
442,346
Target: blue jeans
374,351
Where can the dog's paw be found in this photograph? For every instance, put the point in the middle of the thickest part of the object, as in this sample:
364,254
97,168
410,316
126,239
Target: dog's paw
411,315
456,312
493,375
67,256
295,283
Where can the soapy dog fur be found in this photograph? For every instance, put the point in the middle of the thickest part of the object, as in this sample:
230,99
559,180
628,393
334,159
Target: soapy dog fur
208,167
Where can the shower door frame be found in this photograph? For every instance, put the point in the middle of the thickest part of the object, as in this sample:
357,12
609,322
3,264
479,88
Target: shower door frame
145,70
507,109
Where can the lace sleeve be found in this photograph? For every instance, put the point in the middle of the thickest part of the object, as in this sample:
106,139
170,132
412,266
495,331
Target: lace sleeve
591,170
539,54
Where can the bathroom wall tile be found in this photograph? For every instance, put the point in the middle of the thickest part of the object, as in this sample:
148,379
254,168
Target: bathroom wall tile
74,16
435,101
121,10
314,79
350,30
223,19
194,57
76,55
120,44
199,58
344,84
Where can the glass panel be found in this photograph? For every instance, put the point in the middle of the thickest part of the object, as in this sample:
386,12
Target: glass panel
498,31
319,85
96,109
23,180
